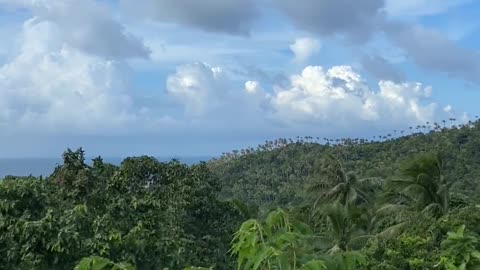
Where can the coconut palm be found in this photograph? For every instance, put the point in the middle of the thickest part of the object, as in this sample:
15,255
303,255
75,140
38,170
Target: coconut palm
346,227
336,184
422,185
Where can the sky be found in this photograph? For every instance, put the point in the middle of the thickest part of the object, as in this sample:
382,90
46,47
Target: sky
196,78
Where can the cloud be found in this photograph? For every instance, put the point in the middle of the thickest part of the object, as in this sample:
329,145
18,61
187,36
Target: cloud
353,19
263,76
358,20
225,16
339,99
253,87
53,87
304,48
381,68
447,109
433,51
207,92
14,4
99,35
416,8
216,106
198,86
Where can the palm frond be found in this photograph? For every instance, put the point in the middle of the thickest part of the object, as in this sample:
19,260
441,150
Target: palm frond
393,231
433,209
390,209
322,242
338,217
358,242
372,181
335,191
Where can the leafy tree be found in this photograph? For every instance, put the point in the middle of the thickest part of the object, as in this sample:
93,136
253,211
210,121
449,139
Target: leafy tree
144,212
460,251
282,243
99,263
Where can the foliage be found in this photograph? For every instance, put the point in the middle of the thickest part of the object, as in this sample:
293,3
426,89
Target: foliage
423,185
279,172
144,212
283,243
460,251
99,263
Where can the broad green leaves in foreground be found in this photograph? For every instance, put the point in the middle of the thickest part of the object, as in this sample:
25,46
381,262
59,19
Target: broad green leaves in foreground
461,250
283,243
99,263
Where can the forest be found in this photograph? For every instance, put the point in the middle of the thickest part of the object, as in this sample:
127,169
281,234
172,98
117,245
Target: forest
404,200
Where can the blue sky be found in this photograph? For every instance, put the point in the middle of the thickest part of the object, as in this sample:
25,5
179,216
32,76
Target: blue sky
194,78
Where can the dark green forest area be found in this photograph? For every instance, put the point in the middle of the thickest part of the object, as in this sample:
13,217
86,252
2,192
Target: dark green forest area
405,200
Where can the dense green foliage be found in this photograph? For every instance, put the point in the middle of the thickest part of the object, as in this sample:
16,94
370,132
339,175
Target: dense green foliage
278,172
396,203
153,215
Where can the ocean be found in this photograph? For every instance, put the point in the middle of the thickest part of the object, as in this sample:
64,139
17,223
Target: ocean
45,166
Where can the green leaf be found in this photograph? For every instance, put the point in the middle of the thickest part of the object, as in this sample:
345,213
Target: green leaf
84,264
314,265
263,256
123,266
476,254
100,263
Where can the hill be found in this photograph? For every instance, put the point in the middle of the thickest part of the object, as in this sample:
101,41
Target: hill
276,173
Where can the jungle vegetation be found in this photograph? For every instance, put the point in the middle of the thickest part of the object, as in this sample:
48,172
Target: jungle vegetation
405,200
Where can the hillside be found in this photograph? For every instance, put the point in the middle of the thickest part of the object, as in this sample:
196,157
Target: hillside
276,173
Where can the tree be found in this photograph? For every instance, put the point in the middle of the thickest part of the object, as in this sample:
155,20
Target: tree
422,184
336,184
283,243
460,250
347,228
99,263
144,212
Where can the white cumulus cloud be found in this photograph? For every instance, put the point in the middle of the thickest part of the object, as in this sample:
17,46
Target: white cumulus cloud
317,100
51,86
209,95
198,86
304,48
339,97
253,87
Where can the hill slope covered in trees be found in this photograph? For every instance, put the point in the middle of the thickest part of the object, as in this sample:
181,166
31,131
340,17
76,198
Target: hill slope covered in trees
277,172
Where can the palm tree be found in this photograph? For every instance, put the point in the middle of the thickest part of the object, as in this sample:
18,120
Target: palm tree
338,185
347,227
422,185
